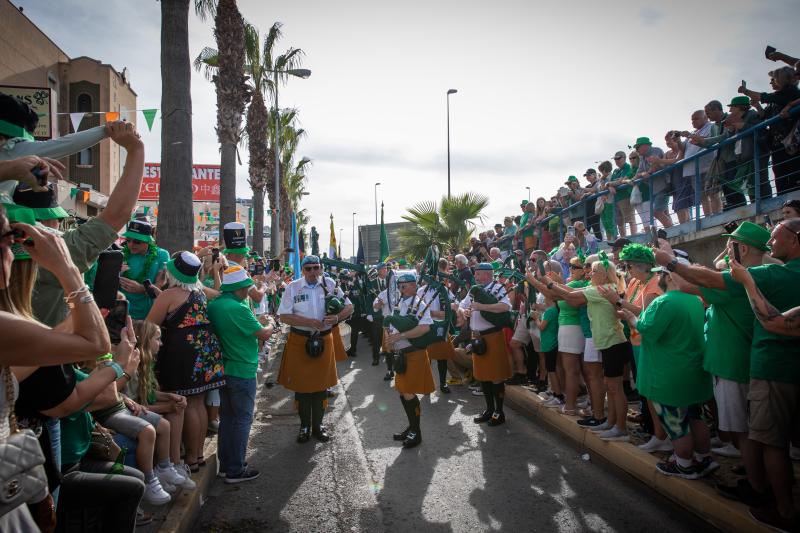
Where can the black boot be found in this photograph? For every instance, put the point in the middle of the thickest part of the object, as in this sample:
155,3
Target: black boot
304,409
414,437
498,417
317,411
488,396
441,366
403,434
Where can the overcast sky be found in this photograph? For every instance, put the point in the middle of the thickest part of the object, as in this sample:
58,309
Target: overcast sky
545,89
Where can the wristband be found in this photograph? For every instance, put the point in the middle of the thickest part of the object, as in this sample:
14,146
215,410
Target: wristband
671,265
106,357
127,375
114,366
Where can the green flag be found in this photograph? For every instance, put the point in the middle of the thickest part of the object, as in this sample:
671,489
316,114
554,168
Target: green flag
384,239
149,117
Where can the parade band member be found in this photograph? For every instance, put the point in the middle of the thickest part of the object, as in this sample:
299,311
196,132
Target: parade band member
443,350
361,322
491,367
308,366
416,377
381,308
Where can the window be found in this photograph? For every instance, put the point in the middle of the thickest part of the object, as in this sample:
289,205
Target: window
84,103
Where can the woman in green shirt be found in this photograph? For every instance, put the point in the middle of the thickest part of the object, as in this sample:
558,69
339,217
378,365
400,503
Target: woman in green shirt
671,375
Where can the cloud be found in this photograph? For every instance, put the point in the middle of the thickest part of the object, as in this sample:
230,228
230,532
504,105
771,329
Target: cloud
651,16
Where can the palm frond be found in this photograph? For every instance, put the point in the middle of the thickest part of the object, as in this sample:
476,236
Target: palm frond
205,9
207,60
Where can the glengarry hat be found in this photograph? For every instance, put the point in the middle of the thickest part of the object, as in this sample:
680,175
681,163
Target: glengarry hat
44,204
235,238
139,230
234,278
484,266
184,266
751,235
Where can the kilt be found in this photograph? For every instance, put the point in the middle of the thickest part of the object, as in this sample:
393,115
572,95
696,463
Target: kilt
441,350
301,373
493,365
338,345
417,378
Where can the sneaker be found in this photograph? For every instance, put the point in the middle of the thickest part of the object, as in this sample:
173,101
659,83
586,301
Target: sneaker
706,465
553,403
729,450
475,387
247,474
545,395
591,422
183,469
716,442
745,493
154,493
602,427
477,392
582,402
656,445
169,476
614,435
672,468
770,516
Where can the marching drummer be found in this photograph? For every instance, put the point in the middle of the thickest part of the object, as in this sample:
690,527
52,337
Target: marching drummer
489,357
308,366
412,366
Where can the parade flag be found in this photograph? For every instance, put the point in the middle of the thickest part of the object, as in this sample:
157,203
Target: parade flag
149,117
294,257
360,253
111,116
384,239
76,119
332,241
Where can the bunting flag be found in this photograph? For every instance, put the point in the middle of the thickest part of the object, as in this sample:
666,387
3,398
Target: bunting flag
332,241
360,252
76,119
111,116
384,239
149,117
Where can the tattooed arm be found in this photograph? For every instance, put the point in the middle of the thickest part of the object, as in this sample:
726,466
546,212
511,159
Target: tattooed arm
771,319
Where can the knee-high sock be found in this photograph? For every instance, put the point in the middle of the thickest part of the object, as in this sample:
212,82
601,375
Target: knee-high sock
441,364
413,411
405,409
304,408
317,408
488,395
389,362
499,394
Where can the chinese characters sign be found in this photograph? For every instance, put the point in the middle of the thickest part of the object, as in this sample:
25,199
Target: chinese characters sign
205,182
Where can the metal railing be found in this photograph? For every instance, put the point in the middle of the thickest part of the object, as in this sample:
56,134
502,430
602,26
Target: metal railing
757,183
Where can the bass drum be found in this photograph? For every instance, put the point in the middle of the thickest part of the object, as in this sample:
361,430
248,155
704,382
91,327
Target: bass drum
345,331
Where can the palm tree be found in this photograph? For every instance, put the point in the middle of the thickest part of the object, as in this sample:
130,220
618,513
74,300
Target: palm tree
448,225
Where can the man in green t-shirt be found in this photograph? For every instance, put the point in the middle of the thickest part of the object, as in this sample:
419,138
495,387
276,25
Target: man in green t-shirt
774,395
239,333
526,232
143,260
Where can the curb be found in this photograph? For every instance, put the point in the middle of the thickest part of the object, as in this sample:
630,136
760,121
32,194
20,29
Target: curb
694,496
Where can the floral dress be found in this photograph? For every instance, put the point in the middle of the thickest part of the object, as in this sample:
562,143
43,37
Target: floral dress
189,361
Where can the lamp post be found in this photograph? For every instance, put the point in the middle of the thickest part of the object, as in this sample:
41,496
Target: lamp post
276,213
354,233
529,193
449,92
376,201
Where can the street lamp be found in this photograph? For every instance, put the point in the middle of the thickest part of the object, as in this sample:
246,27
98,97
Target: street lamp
354,233
376,202
449,92
276,213
529,193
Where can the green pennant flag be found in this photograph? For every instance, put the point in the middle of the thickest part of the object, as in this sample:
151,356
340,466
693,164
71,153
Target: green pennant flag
384,239
149,117
146,209
73,192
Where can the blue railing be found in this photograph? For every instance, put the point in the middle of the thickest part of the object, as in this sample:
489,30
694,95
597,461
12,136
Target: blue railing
757,161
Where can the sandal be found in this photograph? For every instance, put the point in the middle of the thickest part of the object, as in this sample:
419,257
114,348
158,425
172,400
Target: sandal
201,461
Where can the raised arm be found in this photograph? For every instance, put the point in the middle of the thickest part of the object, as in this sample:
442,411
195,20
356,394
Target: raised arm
123,199
768,315
695,274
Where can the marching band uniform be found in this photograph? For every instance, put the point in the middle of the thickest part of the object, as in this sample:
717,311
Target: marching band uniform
492,368
381,305
358,294
443,350
416,378
307,375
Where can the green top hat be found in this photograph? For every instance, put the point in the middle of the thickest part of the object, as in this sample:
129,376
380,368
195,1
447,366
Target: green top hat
642,140
44,204
139,230
740,100
751,235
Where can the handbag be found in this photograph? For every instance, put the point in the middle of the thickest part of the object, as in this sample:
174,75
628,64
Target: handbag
314,345
636,195
599,205
102,447
22,475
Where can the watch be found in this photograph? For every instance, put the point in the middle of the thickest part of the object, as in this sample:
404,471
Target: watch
671,265
115,366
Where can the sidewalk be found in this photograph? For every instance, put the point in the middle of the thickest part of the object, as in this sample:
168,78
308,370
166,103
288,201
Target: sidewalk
697,496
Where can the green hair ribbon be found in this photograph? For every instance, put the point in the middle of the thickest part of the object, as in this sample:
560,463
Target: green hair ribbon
603,258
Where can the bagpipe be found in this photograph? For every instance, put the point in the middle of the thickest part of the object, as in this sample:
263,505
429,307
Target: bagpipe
504,319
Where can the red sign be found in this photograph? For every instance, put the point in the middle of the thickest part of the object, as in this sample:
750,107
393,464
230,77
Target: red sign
205,182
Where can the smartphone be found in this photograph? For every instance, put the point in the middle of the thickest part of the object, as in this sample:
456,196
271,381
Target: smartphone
730,227
571,231
116,319
148,289
744,84
106,281
214,255
736,254
769,51
768,221
540,264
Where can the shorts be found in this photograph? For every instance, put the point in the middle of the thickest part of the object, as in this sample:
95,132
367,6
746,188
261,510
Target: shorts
212,398
130,425
773,412
624,210
683,195
660,201
529,243
675,420
525,335
571,339
550,360
590,353
731,404
615,358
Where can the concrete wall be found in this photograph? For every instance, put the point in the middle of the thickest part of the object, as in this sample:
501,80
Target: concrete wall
371,240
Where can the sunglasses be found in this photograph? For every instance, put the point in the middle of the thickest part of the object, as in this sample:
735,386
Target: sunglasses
577,267
633,158
310,268
620,157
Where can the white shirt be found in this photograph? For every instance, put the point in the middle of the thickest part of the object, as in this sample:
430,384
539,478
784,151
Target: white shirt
302,299
428,294
405,304
476,320
383,299
691,149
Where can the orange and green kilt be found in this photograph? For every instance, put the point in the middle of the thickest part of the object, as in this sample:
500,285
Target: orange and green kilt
385,348
338,344
493,365
301,373
441,350
417,378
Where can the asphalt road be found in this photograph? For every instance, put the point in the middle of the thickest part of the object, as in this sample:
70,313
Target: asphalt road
463,477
